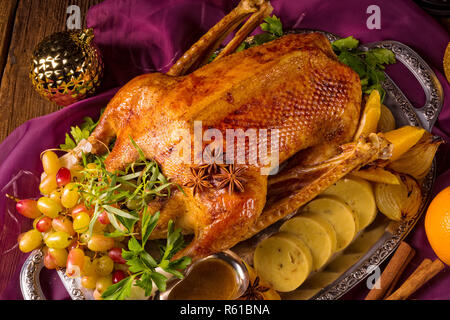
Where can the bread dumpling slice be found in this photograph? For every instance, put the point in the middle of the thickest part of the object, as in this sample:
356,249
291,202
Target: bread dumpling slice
339,215
283,260
359,195
317,233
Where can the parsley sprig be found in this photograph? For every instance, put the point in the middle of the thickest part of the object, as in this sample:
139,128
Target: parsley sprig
272,28
144,267
369,65
78,133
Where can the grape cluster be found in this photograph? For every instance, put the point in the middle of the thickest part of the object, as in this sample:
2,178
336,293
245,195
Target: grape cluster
61,227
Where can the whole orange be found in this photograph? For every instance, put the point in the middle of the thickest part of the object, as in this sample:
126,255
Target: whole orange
437,225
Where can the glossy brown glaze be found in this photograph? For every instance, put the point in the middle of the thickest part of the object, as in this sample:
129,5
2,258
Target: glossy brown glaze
211,279
294,84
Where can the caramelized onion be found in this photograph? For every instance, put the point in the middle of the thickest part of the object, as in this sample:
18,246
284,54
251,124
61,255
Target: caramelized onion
399,202
417,161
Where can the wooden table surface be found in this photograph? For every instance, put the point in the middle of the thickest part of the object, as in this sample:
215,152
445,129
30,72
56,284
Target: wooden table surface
23,24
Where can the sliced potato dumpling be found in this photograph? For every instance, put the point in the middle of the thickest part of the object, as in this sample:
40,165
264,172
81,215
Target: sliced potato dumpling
359,195
340,215
283,261
318,234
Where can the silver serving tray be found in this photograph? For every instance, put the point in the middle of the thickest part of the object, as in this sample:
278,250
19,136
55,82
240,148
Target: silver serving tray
405,114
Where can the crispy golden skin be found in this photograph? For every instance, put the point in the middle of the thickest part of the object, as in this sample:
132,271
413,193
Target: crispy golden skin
294,84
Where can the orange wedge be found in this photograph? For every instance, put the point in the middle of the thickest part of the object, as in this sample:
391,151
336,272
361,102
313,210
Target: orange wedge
377,174
371,115
447,62
403,139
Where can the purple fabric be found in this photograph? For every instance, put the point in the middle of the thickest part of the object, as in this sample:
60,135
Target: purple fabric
140,36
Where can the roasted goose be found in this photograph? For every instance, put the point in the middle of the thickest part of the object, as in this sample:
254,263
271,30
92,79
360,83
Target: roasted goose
294,84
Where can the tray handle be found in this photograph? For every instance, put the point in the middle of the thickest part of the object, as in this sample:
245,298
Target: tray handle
31,287
434,95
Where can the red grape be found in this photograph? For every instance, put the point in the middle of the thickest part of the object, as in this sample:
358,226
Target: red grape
103,218
62,223
75,263
49,261
44,224
117,276
63,176
28,208
75,244
81,208
116,255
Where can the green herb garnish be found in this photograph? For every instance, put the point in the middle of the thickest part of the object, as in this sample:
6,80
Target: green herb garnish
272,28
144,266
78,133
369,65
124,195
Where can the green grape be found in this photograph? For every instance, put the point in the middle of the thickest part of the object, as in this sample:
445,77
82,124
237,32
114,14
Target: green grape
50,163
88,267
48,184
49,207
89,282
58,240
103,266
30,240
69,197
103,283
81,222
55,196
99,242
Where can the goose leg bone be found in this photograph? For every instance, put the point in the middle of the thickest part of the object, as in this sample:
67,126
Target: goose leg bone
250,25
203,48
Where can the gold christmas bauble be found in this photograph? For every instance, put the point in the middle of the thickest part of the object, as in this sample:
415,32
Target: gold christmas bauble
66,67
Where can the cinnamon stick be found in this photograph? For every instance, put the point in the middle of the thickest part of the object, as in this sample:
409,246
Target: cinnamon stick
399,274
422,275
392,271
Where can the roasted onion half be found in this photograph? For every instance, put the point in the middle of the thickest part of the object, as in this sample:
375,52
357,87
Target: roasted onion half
399,202
418,160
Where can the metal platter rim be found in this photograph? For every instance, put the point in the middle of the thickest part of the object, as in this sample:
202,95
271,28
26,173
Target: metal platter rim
29,277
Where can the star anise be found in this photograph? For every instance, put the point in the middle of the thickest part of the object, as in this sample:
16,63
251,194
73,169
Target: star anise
198,180
231,177
213,161
255,291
